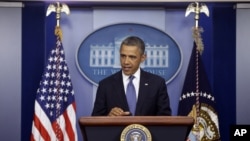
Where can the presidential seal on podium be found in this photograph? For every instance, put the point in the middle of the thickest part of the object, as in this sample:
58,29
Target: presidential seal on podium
135,132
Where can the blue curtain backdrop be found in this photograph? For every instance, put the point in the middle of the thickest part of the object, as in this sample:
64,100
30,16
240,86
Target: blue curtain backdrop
224,64
218,57
33,53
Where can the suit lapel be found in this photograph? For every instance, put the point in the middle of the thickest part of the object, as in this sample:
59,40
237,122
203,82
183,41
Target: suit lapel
143,89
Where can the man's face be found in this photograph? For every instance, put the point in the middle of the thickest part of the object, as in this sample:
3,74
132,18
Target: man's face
130,58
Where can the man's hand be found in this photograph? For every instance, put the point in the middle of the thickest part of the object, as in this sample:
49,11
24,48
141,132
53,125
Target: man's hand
118,112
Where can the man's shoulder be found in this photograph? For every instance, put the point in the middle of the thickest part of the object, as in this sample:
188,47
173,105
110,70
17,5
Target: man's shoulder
112,77
151,75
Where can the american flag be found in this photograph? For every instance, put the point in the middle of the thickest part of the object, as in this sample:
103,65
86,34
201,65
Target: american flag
55,108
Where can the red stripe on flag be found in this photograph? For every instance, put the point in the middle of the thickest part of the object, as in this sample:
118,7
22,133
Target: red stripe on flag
32,137
74,106
68,127
39,126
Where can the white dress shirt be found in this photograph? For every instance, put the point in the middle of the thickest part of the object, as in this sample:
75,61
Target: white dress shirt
136,81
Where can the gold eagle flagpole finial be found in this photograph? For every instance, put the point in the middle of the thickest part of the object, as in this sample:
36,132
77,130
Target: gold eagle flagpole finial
197,8
58,9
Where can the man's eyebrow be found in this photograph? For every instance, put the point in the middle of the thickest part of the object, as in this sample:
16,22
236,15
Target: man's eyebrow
127,55
134,56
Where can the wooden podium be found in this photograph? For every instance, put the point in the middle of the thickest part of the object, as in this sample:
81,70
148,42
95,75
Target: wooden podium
161,128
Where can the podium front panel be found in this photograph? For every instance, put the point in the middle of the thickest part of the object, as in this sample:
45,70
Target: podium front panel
161,128
158,133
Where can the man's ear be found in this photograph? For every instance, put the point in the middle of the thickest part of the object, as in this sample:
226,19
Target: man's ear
143,57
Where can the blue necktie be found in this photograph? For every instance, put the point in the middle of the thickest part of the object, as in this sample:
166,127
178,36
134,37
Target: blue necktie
131,95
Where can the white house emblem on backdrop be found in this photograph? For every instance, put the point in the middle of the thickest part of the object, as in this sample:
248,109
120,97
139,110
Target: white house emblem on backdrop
108,55
98,56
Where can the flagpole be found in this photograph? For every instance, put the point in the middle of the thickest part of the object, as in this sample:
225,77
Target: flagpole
197,8
58,8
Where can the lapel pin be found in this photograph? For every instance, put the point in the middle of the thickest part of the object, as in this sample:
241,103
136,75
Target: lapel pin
146,84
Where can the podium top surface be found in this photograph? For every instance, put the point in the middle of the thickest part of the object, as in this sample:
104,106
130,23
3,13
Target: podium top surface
144,120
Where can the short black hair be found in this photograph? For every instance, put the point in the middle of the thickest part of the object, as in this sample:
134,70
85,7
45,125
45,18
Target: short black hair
134,41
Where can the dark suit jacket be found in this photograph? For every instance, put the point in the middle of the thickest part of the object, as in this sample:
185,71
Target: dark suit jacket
152,99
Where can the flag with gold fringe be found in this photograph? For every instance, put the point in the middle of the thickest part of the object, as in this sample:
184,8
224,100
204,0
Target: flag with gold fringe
197,99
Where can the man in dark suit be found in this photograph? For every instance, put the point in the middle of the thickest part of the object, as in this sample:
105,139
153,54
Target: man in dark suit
151,92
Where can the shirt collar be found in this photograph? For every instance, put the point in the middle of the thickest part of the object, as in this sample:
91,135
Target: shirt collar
136,75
